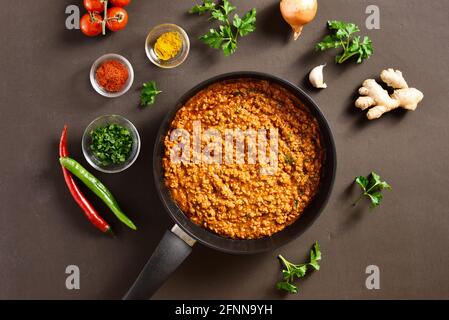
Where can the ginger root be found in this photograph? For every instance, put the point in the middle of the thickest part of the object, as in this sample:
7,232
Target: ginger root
376,98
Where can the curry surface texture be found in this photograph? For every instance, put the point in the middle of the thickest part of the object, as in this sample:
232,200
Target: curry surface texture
234,199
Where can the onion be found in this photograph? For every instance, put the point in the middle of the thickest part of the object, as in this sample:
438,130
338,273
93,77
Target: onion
298,13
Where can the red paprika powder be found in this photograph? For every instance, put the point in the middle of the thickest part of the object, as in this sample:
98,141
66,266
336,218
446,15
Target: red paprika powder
112,75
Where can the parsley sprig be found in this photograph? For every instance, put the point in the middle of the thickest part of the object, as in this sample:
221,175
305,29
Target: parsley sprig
226,35
148,93
372,187
292,271
353,46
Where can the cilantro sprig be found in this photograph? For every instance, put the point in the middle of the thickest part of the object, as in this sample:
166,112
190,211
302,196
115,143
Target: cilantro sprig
148,93
225,36
292,271
372,187
343,36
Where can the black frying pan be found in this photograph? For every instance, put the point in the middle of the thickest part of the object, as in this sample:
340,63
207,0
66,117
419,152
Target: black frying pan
177,243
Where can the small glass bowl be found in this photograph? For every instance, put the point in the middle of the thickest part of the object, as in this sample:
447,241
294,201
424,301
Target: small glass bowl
100,89
155,33
101,122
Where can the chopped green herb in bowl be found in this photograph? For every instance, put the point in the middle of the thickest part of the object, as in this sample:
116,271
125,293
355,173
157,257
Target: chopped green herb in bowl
111,143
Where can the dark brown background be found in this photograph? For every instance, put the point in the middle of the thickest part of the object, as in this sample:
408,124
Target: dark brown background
45,84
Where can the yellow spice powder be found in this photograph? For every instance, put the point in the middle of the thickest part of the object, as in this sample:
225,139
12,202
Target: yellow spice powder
168,45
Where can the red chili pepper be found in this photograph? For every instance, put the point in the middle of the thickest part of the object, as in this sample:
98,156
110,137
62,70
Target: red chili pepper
84,204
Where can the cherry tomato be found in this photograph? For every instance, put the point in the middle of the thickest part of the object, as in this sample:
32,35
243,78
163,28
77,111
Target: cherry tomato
94,5
117,18
90,24
120,3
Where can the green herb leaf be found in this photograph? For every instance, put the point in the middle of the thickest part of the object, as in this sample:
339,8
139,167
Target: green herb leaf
362,182
315,256
237,21
289,159
329,42
229,43
247,24
208,5
376,183
375,198
372,187
219,15
366,49
343,30
296,203
287,286
299,271
148,93
225,37
292,271
227,7
229,46
343,37
213,38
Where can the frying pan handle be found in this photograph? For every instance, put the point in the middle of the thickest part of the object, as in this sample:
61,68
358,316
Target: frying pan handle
171,251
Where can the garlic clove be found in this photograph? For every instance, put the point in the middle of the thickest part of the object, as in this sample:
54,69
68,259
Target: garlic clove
316,77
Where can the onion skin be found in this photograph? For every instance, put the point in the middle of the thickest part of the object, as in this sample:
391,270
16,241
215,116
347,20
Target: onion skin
298,13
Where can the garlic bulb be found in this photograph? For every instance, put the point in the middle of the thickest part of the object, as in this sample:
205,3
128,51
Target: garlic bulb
316,77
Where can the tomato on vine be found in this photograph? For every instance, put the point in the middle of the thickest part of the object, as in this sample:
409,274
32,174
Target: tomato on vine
94,5
91,24
120,3
117,19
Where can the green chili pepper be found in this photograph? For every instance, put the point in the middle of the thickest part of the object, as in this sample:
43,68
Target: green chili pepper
97,187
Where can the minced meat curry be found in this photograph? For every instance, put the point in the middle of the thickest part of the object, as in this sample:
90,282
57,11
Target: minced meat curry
234,199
